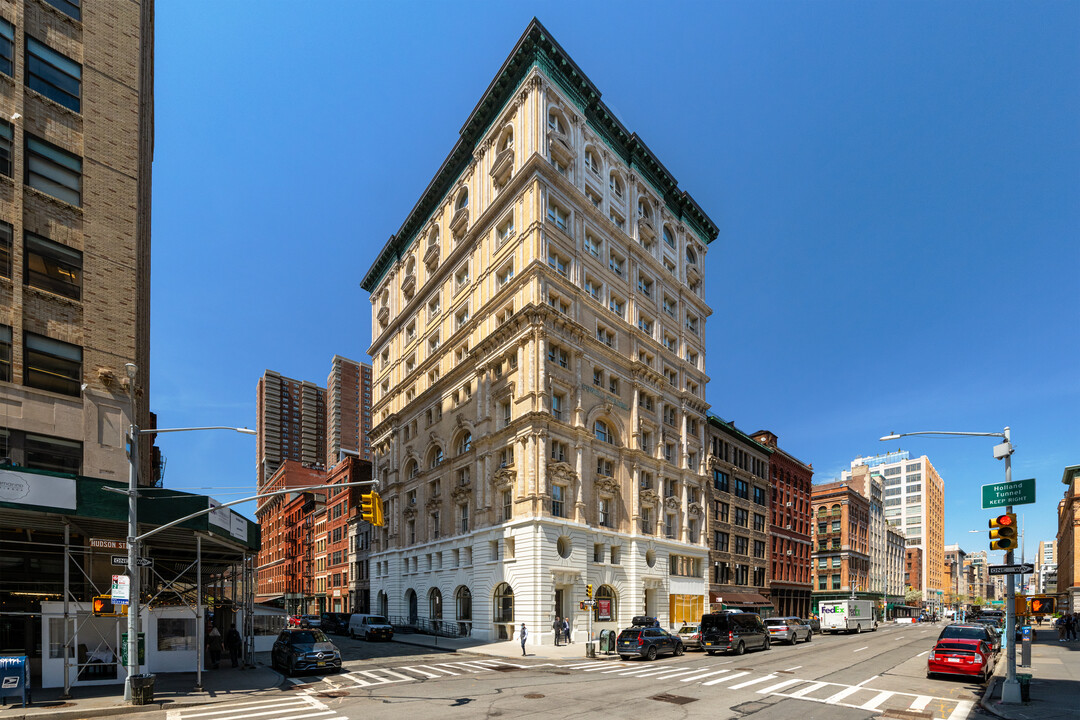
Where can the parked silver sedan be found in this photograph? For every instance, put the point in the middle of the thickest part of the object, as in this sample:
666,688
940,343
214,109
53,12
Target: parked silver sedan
690,636
789,629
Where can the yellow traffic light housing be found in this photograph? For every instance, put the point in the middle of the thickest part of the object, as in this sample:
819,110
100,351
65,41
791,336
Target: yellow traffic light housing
588,591
371,509
1003,532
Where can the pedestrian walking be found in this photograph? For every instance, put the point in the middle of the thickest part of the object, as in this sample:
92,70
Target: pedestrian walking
566,630
524,635
234,643
557,627
213,644
1071,626
1060,625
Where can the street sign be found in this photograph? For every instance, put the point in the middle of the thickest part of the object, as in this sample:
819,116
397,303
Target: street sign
121,589
1021,569
141,562
1018,492
108,544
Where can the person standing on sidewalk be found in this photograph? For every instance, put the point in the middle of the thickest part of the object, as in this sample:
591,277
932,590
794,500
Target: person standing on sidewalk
234,643
213,644
557,627
524,635
566,630
1071,626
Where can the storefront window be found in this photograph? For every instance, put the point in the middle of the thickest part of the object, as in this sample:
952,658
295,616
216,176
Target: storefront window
176,634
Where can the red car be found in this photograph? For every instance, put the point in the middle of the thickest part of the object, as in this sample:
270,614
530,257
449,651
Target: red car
960,656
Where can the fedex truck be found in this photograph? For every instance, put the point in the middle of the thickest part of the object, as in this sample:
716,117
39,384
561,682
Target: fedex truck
847,615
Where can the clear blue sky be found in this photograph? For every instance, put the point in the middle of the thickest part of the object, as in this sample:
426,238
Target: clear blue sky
897,186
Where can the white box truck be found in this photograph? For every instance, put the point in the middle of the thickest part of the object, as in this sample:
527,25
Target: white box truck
847,615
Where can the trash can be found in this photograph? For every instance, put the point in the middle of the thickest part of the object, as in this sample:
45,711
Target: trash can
142,689
1025,686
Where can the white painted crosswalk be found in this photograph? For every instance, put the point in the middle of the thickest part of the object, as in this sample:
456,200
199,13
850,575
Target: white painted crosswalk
372,677
290,707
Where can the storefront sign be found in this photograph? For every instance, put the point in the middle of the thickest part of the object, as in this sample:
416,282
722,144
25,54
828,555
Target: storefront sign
121,589
30,489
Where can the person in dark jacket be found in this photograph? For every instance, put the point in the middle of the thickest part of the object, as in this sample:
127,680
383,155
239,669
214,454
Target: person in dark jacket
234,644
213,644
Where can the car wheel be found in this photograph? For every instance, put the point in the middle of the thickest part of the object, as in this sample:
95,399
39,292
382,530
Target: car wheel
290,669
767,645
651,654
367,636
794,638
678,649
740,648
809,636
858,629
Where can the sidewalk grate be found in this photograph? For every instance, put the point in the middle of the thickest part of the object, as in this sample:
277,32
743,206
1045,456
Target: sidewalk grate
673,699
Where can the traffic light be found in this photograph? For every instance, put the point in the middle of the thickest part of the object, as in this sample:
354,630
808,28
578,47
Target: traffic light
371,509
1003,532
102,606
588,591
1042,606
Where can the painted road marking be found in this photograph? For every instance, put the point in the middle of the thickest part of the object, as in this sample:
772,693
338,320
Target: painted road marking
862,648
778,686
842,694
961,710
748,683
877,700
920,702
725,679
695,677
808,689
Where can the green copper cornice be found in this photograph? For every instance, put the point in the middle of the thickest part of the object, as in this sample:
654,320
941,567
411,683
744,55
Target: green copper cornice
537,47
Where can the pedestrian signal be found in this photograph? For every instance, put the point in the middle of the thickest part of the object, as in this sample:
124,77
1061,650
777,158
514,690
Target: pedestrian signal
1042,606
371,509
588,591
1003,532
102,606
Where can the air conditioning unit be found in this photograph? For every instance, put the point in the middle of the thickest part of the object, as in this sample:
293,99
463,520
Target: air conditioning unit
789,504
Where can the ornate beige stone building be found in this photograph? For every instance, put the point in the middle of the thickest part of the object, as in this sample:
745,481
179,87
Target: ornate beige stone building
539,378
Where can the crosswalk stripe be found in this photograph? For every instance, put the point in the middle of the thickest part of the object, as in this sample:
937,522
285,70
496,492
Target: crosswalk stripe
431,667
877,700
672,673
416,669
397,674
582,665
842,694
807,690
299,703
233,706
458,666
314,714
920,702
748,683
359,682
961,710
725,679
695,677
471,666
778,686
630,670
438,666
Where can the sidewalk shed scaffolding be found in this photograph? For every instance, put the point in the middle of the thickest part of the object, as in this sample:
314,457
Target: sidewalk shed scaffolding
56,558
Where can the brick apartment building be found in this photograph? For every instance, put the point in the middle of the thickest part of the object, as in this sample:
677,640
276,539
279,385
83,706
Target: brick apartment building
348,410
345,574
841,555
913,568
291,418
737,519
789,542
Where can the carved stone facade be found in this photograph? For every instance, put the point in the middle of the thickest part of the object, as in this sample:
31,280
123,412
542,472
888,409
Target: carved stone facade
552,361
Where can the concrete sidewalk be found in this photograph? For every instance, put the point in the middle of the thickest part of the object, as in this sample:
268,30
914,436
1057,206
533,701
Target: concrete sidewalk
1055,682
171,691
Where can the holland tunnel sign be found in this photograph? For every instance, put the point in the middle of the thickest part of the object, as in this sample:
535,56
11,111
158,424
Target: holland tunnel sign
1019,492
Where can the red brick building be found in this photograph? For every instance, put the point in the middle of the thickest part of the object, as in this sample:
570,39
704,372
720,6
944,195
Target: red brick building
913,568
841,517
287,560
342,523
790,544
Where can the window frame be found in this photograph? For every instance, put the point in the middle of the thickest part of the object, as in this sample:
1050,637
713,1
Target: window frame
47,155
74,379
40,52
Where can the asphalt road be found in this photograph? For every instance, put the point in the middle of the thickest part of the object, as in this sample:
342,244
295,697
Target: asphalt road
839,677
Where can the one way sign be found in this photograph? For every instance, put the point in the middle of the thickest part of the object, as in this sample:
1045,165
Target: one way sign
141,562
1022,569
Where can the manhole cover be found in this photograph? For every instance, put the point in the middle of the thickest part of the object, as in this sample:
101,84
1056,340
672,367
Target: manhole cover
533,696
333,694
673,699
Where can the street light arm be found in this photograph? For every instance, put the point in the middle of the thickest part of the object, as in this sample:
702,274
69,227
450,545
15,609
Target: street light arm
897,436
207,511
155,431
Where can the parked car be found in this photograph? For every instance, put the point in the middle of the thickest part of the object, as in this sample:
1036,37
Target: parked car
961,656
310,621
300,649
972,631
734,632
789,629
690,636
370,627
645,640
335,622
814,624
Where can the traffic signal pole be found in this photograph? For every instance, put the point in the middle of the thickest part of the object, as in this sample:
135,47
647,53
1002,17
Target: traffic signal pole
1010,692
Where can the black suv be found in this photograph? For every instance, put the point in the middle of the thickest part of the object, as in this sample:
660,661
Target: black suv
335,622
299,649
734,632
645,640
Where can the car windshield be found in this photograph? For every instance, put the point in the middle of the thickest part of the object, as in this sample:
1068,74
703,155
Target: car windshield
308,636
376,620
775,621
629,634
964,633
688,629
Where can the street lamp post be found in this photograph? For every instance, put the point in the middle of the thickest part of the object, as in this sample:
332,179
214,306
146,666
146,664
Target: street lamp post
133,569
1010,692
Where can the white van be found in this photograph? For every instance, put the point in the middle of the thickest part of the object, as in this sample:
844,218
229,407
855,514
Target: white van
370,627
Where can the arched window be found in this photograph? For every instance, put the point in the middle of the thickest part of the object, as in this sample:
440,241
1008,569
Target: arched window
410,265
691,256
836,509
603,432
616,185
463,602
504,603
435,604
555,122
435,457
464,443
592,161
412,468
433,237
507,141
643,209
822,511
462,199
669,237
410,601
607,601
